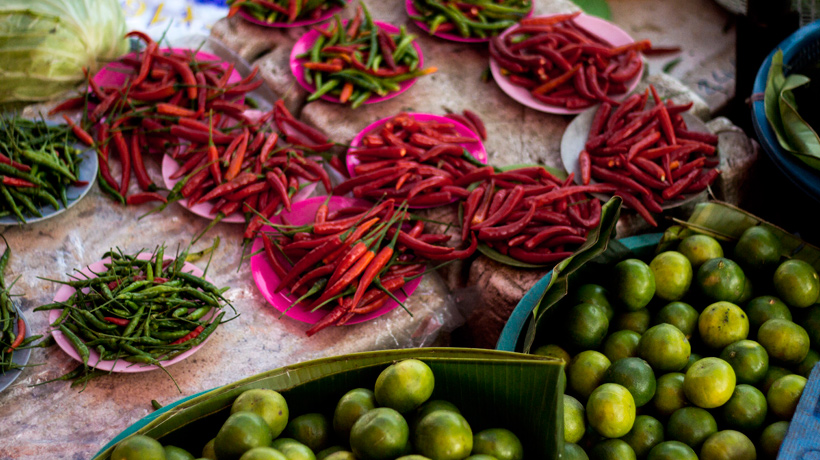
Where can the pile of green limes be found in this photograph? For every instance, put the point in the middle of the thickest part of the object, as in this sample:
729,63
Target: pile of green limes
394,421
693,355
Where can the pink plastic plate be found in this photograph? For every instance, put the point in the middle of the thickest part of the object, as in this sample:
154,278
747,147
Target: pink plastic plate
94,358
600,27
304,22
412,11
476,149
266,279
304,44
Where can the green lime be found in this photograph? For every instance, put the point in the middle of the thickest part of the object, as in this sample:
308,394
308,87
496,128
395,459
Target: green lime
673,275
350,407
621,344
636,321
138,447
693,358
326,452
572,452
797,283
709,383
421,457
405,385
264,453
771,439
771,376
596,295
612,449
645,434
554,351
805,367
443,435
699,249
672,450
312,430
757,249
574,420
380,434
292,449
584,326
611,410
811,321
177,453
722,323
429,407
633,284
763,308
241,432
635,375
721,280
267,404
679,314
784,340
691,426
728,445
208,450
471,457
343,455
585,372
669,395
784,395
746,409
500,443
665,348
748,359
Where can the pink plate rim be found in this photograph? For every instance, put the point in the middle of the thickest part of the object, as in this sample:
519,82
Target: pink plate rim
412,11
601,27
306,41
284,25
266,280
94,358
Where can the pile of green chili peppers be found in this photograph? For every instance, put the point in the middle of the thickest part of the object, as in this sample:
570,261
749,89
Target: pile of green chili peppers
38,162
471,18
139,310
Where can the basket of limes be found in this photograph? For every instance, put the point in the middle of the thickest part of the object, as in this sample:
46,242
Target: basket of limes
708,331
410,404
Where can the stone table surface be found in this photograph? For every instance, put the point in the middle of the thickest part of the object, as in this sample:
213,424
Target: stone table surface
55,421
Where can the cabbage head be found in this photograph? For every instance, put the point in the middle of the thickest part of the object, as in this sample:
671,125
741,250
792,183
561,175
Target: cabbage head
44,44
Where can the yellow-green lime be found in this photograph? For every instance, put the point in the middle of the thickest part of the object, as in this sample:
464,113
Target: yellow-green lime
721,279
722,323
554,351
672,450
774,373
784,340
612,449
405,385
811,321
429,407
679,314
421,457
621,344
665,348
585,372
584,326
673,275
350,407
471,457
241,432
805,367
797,283
746,409
763,308
266,453
380,434
443,435
749,360
312,430
596,295
691,426
646,433
635,375
611,410
572,452
138,447
669,395
636,321
784,395
326,452
709,383
268,404
699,249
178,453
500,443
574,420
292,449
342,455
208,450
633,284
757,249
728,445
771,439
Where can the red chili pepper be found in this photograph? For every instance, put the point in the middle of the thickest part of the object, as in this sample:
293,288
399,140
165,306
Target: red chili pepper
244,179
21,335
585,165
145,197
190,336
144,181
16,182
617,179
81,134
505,231
309,260
117,321
273,179
328,319
680,185
68,104
634,203
18,166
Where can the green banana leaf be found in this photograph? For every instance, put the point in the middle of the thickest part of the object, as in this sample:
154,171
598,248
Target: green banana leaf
597,242
491,388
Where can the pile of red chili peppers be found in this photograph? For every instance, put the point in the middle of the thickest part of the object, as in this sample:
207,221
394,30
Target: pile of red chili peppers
647,154
565,65
355,258
407,159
